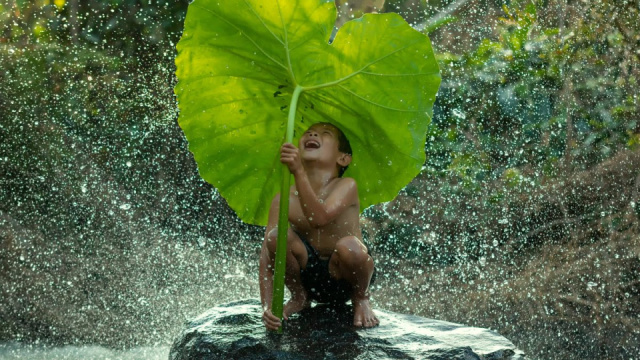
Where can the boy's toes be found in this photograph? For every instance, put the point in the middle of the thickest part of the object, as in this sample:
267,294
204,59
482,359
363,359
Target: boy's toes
365,322
371,322
364,315
376,322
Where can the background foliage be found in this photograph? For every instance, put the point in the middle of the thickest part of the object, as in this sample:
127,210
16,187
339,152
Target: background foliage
525,216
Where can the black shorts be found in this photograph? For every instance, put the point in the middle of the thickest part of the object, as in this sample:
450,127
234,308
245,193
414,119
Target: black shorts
319,284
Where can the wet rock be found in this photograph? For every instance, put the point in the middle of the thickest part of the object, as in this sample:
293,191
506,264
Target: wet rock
235,331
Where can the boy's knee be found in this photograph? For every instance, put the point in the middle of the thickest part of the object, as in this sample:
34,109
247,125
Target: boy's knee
271,240
351,251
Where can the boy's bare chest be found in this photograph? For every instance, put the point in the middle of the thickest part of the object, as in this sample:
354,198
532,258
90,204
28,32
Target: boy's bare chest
345,224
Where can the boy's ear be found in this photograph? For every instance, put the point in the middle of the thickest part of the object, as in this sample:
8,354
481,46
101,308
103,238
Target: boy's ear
344,160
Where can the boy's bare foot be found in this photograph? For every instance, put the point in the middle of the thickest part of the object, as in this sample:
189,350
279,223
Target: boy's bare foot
363,315
294,305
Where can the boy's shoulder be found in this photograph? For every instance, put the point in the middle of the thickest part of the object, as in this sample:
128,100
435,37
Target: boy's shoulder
346,188
343,184
347,180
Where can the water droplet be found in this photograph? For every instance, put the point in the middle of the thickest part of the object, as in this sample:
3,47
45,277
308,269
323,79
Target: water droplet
459,114
390,163
128,163
202,241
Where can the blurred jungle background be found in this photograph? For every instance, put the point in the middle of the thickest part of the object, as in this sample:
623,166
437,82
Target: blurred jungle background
525,218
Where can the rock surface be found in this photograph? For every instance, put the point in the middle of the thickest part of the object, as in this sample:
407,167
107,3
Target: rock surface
235,331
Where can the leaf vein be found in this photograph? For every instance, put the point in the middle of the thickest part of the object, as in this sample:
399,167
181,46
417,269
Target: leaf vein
286,45
336,82
239,30
262,21
373,103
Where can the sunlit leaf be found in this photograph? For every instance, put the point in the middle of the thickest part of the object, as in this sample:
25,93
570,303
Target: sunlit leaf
238,66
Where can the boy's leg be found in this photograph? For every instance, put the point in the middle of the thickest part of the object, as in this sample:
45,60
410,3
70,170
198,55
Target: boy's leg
296,260
351,262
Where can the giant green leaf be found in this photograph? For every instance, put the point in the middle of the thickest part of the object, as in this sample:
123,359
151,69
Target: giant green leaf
239,64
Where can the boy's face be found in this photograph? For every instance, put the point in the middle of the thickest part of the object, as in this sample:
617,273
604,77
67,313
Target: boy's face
320,142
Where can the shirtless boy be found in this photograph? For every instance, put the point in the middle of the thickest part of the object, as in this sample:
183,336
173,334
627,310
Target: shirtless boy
326,260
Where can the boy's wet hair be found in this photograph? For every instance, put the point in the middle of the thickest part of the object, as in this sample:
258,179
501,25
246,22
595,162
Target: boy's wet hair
343,145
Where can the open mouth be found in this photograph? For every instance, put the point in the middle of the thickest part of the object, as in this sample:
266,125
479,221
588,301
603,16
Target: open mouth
311,144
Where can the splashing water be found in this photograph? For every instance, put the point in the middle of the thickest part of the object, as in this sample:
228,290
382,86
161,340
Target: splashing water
523,219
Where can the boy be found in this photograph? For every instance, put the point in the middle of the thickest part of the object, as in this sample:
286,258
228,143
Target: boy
326,261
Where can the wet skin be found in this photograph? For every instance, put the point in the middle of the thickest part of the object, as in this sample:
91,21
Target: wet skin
324,209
